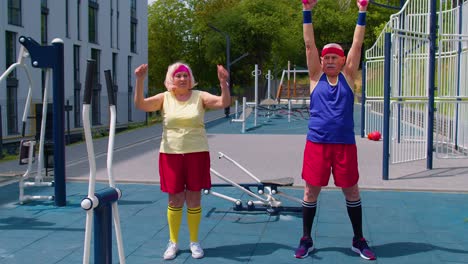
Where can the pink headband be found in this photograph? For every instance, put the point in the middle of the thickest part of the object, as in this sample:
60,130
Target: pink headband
333,50
181,68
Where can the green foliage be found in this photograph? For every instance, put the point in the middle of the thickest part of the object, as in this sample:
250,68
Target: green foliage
7,156
269,31
169,29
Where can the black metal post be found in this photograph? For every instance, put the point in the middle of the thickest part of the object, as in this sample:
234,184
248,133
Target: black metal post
432,62
227,110
363,100
386,124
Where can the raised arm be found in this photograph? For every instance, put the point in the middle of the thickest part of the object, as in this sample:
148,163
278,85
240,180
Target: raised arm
354,54
149,104
224,100
313,59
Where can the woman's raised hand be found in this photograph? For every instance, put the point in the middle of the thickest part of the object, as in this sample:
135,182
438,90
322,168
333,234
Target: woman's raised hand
141,70
223,74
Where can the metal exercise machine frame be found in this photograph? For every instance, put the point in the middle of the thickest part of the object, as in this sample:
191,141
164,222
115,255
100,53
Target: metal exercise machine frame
28,146
52,58
267,198
100,206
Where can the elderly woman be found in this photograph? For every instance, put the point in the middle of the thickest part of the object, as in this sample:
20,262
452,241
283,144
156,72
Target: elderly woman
184,160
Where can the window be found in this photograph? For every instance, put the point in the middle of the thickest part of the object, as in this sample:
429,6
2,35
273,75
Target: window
96,97
44,24
12,106
67,16
12,84
78,19
129,71
130,88
117,24
111,23
95,55
93,8
133,8
76,63
10,51
77,86
14,12
133,26
114,67
115,88
133,34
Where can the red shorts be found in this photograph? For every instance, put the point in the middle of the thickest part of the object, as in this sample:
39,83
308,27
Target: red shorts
180,172
320,160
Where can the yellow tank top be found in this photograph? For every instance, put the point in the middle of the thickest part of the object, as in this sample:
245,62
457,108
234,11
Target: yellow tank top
183,126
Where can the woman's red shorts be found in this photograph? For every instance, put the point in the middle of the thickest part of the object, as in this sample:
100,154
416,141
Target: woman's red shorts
180,172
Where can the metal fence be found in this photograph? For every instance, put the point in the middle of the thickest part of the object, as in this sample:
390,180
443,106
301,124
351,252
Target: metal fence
410,83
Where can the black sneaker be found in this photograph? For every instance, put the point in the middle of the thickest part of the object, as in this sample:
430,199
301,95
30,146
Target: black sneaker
360,246
305,246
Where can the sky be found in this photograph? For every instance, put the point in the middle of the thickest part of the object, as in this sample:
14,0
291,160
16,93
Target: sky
150,1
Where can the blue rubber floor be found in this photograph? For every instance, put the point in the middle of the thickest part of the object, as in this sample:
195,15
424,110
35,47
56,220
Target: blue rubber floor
402,227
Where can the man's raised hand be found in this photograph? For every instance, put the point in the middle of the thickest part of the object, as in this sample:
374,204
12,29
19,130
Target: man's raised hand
308,4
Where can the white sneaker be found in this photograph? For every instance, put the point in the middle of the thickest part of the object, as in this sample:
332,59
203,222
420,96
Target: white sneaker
171,251
197,251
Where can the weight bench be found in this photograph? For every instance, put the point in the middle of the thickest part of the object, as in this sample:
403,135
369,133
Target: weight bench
266,197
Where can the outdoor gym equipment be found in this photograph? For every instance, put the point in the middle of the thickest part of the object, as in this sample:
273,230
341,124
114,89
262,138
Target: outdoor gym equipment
268,106
52,58
28,146
267,198
100,206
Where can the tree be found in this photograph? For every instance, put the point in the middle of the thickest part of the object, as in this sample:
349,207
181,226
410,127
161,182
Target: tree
168,39
270,31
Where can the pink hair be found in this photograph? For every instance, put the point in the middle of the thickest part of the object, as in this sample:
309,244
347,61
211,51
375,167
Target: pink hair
181,68
173,69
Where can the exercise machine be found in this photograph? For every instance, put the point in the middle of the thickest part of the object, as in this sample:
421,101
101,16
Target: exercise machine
267,197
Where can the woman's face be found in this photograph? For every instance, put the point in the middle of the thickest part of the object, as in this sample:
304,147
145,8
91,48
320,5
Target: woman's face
182,80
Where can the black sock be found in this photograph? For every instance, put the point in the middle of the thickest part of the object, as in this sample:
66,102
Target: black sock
308,214
355,215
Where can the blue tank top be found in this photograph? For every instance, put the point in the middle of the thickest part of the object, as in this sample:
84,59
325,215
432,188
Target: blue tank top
331,112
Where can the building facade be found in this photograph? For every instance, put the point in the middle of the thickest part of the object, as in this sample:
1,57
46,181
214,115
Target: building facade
111,32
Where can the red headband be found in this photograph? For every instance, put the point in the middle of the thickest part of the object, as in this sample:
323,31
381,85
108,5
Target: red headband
181,68
333,50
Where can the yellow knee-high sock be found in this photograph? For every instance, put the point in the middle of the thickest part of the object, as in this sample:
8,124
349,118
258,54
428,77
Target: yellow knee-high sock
174,218
193,221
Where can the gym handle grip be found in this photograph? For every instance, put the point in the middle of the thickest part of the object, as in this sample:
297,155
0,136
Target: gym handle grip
110,90
89,82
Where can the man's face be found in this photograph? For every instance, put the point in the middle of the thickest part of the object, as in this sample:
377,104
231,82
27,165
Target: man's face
332,64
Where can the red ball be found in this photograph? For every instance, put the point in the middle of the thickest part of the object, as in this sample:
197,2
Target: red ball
305,1
362,2
374,135
377,136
